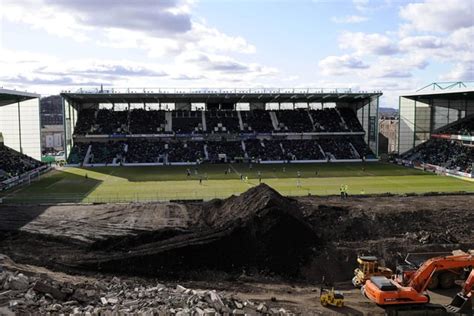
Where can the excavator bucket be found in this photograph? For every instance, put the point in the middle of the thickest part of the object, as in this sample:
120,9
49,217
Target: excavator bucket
460,303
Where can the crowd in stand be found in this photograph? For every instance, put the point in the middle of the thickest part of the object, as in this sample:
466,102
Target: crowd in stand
465,127
78,153
141,121
187,122
257,120
157,151
110,122
13,163
302,150
327,120
222,122
145,151
264,149
450,154
351,120
107,152
147,122
233,150
190,151
294,121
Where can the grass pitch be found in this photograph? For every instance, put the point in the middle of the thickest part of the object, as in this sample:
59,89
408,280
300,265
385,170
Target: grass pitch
126,184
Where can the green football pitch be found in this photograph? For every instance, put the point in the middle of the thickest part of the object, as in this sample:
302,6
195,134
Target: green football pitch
126,184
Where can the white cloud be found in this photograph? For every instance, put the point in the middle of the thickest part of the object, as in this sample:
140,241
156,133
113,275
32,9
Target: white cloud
361,5
158,27
349,19
438,15
340,65
460,72
367,44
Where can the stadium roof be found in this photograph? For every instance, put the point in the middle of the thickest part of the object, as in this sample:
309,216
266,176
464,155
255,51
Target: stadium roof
445,91
148,95
12,96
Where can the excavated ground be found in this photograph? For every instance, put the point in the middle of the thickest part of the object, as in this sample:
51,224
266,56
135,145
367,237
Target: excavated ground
259,234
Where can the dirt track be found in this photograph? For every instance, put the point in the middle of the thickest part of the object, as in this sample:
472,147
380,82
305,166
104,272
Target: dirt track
259,235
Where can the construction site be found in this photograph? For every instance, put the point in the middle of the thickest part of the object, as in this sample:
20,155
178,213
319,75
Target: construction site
256,253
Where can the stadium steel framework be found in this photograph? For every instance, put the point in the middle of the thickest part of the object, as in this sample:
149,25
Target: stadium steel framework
431,108
365,104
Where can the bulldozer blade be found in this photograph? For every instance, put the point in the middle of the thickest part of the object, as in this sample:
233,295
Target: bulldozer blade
460,303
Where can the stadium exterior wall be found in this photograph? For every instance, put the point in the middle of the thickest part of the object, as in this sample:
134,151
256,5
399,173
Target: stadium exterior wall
21,127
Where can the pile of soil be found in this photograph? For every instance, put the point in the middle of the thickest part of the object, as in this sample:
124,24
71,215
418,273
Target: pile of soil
258,232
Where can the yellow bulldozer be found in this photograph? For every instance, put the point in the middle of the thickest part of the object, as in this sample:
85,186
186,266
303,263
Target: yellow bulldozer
369,266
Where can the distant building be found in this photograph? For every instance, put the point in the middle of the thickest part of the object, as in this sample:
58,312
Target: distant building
388,134
52,130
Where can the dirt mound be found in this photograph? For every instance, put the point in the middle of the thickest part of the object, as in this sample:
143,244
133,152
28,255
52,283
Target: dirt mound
259,200
258,230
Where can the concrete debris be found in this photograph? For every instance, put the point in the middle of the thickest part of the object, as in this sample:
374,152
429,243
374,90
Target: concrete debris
39,294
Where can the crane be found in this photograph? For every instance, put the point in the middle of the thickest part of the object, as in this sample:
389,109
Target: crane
385,292
463,300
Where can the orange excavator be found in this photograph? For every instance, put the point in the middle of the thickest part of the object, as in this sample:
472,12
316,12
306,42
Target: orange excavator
463,300
412,290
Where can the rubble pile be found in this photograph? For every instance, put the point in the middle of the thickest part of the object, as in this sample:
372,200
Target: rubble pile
41,294
425,237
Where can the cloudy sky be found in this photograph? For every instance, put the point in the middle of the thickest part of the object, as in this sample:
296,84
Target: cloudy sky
395,46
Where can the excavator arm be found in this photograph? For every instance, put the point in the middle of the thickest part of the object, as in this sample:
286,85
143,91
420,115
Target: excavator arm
421,278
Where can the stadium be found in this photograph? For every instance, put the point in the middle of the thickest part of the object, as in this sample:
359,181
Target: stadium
252,158
250,188
177,144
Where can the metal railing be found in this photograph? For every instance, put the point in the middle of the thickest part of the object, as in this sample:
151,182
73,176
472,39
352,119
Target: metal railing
436,86
119,90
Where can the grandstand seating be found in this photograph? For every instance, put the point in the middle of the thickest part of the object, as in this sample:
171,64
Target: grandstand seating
147,122
232,150
302,150
223,128
190,151
257,121
13,163
145,151
111,122
294,121
464,127
450,154
85,121
106,152
222,122
78,153
351,120
185,122
327,120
